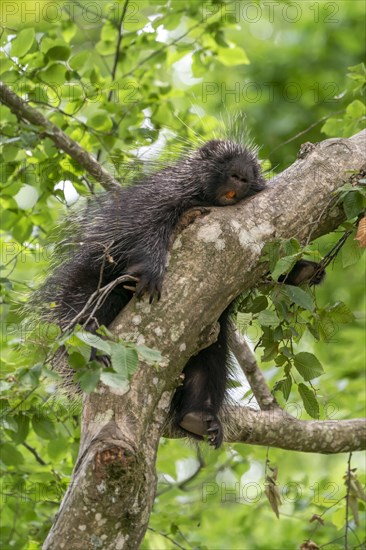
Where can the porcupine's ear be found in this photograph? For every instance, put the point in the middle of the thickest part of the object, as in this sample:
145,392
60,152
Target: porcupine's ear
208,150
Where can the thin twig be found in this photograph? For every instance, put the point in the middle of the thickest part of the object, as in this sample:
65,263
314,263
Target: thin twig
299,134
166,537
34,453
98,297
348,485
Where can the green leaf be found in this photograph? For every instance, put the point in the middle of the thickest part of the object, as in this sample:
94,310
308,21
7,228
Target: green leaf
280,360
270,352
284,265
315,329
115,380
290,247
124,359
22,230
56,49
284,386
353,204
89,379
54,74
308,365
338,518
281,301
150,355
232,56
101,122
358,72
356,109
43,427
299,296
268,318
78,61
327,325
287,352
243,320
109,31
10,152
5,65
309,400
57,449
94,341
105,47
333,127
60,52
351,252
340,313
23,428
77,360
259,304
22,43
270,254
10,455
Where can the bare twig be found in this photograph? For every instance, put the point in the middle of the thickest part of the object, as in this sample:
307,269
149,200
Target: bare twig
348,485
96,300
299,134
34,453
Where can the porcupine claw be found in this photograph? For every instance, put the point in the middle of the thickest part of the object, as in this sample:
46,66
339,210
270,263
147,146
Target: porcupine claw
147,282
214,430
200,424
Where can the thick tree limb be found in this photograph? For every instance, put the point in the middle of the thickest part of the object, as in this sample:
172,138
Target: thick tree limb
276,428
120,433
23,111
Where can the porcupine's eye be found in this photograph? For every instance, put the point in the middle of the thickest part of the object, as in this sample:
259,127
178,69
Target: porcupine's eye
239,179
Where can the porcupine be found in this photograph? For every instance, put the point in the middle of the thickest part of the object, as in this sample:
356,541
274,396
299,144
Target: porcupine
127,232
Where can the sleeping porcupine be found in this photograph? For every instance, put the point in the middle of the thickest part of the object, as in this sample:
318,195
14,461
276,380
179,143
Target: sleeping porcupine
127,232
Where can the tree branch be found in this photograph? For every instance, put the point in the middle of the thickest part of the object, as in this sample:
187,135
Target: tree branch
276,428
23,111
252,372
120,433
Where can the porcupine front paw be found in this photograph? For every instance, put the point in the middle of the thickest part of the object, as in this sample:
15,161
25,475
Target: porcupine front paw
148,281
190,216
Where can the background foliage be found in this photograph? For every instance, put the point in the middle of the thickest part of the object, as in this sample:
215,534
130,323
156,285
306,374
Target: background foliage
294,69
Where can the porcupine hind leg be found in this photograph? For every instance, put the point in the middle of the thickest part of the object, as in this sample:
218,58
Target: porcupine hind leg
197,402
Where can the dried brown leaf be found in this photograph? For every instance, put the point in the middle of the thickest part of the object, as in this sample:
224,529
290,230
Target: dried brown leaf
361,233
309,545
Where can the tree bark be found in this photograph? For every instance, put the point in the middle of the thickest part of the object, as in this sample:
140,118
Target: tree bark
113,485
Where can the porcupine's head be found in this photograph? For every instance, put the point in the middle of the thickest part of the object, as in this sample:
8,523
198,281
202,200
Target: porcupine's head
232,172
